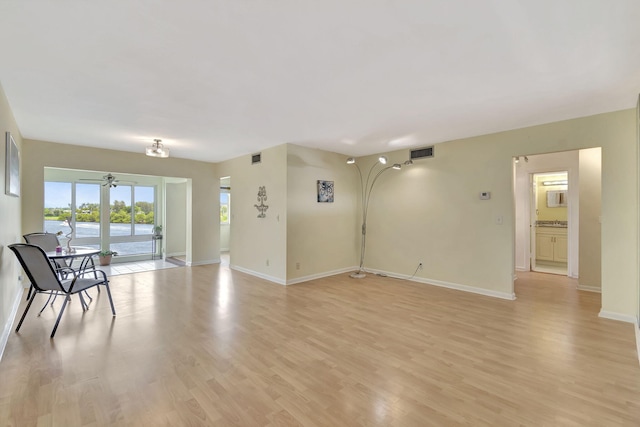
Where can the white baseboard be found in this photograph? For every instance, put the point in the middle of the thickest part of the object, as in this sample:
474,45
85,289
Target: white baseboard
9,325
617,316
596,289
456,286
522,269
176,254
320,275
205,262
224,249
258,274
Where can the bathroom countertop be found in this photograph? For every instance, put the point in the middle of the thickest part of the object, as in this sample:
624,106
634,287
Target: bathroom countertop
552,224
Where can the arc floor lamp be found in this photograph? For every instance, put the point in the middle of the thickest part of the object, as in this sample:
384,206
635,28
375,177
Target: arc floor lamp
366,187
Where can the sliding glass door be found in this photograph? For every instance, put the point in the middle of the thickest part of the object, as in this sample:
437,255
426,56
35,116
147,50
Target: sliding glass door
132,214
80,211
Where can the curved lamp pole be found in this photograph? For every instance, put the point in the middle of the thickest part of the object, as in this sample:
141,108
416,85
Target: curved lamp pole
366,190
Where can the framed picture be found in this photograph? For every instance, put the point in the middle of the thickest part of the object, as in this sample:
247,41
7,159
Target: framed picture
12,168
325,191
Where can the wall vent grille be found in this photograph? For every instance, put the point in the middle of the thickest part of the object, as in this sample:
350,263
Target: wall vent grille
422,153
256,158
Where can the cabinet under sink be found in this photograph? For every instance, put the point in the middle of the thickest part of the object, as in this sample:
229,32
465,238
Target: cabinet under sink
551,244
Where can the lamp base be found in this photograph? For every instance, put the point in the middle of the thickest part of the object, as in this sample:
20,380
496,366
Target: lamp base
358,275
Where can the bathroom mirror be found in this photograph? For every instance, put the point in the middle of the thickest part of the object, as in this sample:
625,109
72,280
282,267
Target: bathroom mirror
557,199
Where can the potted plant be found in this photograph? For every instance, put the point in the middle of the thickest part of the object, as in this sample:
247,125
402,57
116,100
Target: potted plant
157,230
105,256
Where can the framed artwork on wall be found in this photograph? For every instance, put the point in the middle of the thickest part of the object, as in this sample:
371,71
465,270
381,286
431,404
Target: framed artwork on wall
12,168
325,191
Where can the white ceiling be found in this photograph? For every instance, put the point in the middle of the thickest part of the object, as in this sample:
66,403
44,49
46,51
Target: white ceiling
216,79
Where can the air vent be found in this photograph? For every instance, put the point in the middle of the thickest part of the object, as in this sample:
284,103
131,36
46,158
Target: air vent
421,153
256,158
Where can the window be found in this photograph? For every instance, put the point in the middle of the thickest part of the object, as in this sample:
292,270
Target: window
87,211
57,206
225,205
132,219
144,209
120,211
130,209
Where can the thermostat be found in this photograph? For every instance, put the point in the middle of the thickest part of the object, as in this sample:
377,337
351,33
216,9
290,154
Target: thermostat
485,195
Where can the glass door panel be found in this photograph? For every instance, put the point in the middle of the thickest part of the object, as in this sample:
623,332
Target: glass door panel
87,213
120,212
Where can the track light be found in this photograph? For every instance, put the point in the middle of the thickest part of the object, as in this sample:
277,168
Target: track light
351,161
383,160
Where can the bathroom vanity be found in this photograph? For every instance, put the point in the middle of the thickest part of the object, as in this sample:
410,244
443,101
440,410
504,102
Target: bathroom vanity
551,242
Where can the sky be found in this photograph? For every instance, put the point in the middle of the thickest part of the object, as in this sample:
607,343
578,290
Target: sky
58,194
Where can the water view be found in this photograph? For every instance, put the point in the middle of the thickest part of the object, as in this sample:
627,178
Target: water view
92,229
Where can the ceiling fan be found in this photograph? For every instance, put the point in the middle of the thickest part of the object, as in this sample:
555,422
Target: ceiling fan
107,180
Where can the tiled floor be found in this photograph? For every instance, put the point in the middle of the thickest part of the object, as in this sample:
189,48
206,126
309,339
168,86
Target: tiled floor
136,267
542,267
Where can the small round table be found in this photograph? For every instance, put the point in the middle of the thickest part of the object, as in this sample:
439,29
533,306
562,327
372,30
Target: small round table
85,253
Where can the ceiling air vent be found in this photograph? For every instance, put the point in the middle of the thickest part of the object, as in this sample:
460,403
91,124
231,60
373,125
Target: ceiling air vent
256,158
422,153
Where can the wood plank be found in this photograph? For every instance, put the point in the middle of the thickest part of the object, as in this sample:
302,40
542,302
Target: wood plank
210,346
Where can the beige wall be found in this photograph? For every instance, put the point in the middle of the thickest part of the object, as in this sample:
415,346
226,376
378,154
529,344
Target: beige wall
590,209
321,237
431,213
175,229
202,237
258,245
10,213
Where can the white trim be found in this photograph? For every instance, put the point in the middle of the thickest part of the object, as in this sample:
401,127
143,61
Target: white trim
321,275
597,289
522,269
176,254
205,262
617,316
9,325
260,275
224,249
456,286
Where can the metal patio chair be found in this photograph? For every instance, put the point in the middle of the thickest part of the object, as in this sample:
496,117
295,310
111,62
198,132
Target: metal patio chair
46,280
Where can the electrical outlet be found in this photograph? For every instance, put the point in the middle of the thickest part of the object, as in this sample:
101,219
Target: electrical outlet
297,266
267,262
420,266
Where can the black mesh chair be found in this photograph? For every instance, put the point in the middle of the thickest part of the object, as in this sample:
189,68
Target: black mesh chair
46,280
49,242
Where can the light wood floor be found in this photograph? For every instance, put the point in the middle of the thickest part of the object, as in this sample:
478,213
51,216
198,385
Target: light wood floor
208,346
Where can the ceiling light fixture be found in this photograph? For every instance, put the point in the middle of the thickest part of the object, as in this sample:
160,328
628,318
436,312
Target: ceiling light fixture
157,149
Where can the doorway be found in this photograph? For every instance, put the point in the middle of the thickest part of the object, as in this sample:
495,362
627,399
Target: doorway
584,199
550,222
